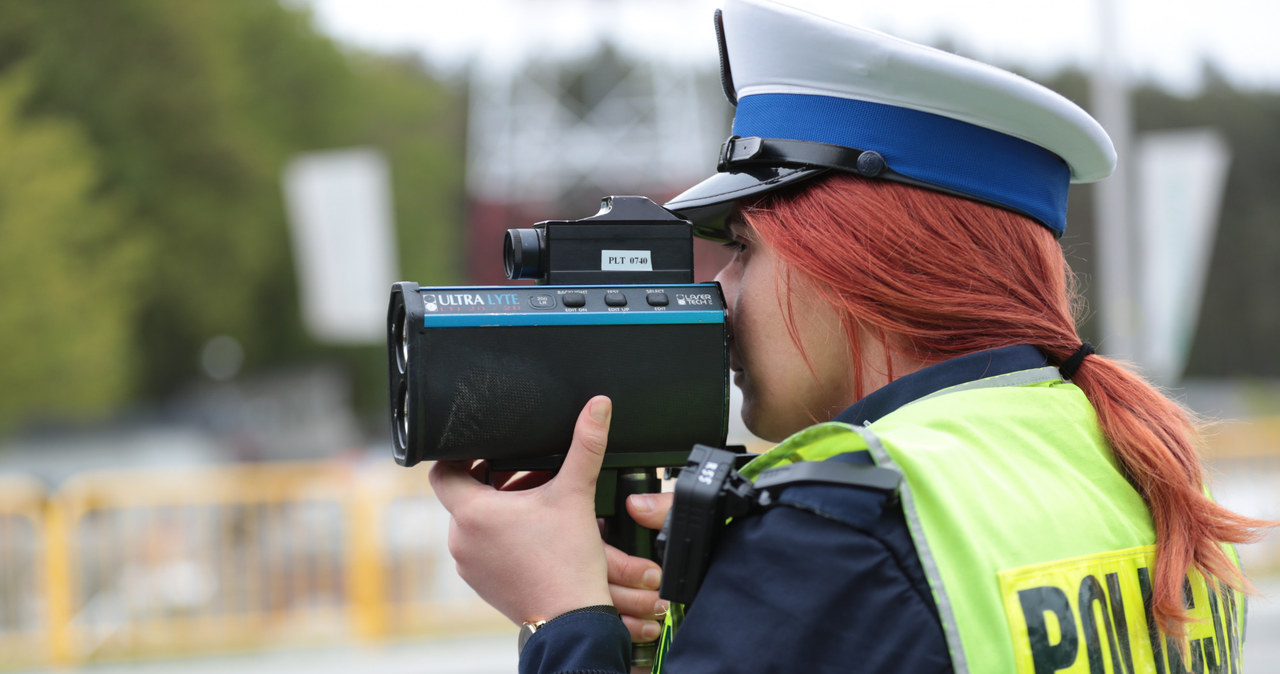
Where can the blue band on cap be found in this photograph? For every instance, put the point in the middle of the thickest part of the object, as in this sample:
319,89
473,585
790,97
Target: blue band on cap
932,149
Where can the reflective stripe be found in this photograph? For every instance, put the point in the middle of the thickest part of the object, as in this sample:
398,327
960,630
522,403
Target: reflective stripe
670,623
950,627
1039,375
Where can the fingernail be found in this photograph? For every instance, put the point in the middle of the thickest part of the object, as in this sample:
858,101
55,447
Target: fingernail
652,579
600,410
650,631
660,608
642,502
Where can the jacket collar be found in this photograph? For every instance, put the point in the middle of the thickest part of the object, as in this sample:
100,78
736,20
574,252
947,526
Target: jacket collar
934,378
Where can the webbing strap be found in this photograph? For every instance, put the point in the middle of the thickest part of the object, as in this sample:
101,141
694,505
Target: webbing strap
861,476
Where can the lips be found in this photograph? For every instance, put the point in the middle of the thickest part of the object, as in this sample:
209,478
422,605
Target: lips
735,366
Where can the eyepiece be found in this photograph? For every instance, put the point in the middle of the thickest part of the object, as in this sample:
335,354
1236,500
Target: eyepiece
522,253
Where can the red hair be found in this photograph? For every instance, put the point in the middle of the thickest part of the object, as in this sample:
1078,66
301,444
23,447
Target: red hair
934,277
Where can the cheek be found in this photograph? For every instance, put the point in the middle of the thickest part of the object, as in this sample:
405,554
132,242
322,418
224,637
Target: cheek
775,372
749,311
786,391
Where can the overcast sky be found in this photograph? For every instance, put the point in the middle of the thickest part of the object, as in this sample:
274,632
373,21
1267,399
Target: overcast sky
1166,39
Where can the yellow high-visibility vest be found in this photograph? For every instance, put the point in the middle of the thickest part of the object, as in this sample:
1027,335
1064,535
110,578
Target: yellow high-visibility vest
1038,551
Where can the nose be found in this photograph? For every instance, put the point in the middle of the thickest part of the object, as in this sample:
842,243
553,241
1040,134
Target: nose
729,286
728,283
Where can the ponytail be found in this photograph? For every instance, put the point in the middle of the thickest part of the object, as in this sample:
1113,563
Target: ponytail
935,277
1153,440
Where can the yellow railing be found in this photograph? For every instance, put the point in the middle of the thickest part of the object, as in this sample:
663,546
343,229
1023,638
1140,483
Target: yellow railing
139,564
24,623
136,564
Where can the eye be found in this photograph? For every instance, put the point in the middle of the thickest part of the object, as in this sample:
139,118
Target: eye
735,245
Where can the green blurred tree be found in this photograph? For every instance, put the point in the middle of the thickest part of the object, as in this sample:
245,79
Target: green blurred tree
69,277
191,110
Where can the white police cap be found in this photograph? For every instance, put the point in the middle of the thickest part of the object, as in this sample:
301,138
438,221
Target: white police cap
815,95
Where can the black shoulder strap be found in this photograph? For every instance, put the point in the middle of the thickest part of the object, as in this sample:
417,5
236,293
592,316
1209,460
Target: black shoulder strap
860,476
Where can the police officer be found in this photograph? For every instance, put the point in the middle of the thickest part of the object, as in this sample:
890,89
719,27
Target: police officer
898,298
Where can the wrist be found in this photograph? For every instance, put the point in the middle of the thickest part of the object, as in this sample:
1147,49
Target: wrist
528,628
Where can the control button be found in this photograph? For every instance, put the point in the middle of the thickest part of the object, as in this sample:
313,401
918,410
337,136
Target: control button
657,299
615,299
542,301
574,300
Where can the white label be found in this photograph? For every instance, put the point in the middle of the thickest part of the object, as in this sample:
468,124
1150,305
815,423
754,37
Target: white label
625,260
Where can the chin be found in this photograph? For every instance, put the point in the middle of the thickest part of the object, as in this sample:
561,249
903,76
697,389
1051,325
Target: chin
761,427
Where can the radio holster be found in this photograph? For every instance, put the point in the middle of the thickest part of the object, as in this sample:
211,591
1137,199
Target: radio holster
709,491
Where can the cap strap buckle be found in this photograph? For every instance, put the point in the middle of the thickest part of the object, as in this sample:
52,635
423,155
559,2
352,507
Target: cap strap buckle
785,152
737,149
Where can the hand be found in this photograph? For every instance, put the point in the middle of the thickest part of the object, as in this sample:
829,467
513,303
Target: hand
634,581
534,553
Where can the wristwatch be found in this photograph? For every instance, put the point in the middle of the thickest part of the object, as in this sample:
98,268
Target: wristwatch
527,629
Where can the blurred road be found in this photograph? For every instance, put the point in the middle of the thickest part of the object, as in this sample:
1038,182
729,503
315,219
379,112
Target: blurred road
496,653
1262,635
488,654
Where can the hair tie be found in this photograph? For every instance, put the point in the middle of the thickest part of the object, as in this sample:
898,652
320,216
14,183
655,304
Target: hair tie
1070,365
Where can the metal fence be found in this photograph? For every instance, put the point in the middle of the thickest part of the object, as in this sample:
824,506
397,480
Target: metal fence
137,564
24,632
142,564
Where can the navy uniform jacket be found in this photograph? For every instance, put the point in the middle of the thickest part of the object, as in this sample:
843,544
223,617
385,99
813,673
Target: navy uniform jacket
829,583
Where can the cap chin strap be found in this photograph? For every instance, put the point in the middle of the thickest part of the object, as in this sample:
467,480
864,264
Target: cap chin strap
753,150
739,151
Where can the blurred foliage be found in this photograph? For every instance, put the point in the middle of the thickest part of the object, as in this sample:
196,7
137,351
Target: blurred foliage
67,271
140,201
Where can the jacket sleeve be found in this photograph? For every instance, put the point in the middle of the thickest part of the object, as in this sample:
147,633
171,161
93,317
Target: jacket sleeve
578,643
825,582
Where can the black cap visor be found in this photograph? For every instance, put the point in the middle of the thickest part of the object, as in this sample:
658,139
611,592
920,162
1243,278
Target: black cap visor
708,203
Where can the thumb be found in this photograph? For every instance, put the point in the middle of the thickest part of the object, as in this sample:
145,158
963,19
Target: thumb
453,484
586,452
650,510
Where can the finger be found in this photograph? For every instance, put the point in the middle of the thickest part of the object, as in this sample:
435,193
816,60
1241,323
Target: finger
642,604
650,510
631,571
451,481
642,631
586,452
